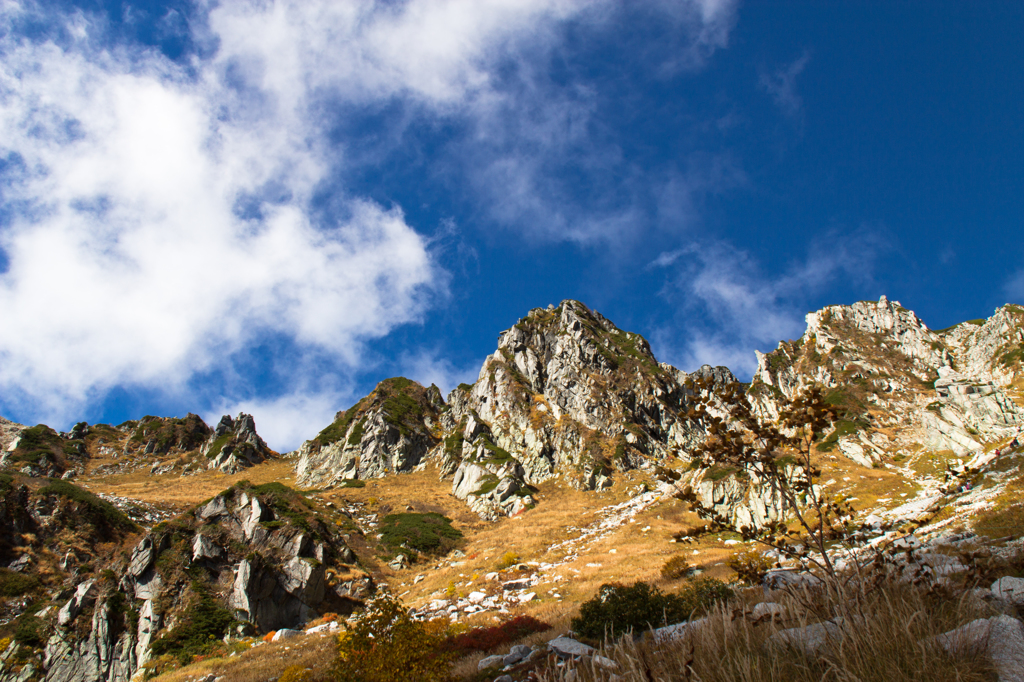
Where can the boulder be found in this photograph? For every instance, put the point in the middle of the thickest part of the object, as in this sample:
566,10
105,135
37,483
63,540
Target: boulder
1001,638
785,579
1010,590
810,640
490,662
567,647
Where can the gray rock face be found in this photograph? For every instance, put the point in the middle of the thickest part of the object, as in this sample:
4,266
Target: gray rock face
984,349
1010,590
569,391
881,353
1000,638
282,570
101,657
9,432
567,647
235,445
389,431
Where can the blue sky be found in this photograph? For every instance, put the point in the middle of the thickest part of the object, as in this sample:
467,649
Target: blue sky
270,206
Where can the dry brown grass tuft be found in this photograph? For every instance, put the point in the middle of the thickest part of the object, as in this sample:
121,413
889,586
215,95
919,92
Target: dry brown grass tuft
264,662
889,640
179,493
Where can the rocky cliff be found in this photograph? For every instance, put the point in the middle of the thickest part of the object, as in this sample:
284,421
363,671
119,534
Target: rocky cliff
89,597
389,431
901,386
565,393
234,445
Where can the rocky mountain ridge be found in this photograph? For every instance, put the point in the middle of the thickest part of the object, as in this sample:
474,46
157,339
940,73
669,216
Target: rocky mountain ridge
567,399
566,393
162,444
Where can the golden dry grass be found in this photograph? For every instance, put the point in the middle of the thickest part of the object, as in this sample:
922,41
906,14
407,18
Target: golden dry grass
176,492
262,662
889,640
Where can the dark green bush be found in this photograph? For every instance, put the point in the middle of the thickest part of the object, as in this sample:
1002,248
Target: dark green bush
701,593
14,584
202,626
97,510
30,631
422,532
618,609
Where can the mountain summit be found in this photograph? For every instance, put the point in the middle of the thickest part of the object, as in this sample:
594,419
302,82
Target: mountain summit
566,393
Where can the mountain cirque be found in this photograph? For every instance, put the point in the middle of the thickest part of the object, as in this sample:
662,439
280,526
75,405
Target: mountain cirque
569,411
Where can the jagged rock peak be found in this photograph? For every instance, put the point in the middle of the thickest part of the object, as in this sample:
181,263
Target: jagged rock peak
884,367
389,431
566,392
992,349
162,435
234,445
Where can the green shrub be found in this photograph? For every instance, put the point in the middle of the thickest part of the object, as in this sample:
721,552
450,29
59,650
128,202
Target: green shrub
38,445
218,445
97,510
675,568
31,631
199,629
13,584
618,609
337,429
699,594
352,483
426,533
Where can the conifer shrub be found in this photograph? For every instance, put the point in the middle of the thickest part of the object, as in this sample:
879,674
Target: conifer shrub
387,645
619,609
31,631
199,629
427,533
700,594
13,584
675,568
97,510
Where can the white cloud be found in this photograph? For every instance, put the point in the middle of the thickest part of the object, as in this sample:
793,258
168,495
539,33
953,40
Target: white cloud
730,307
1014,287
781,86
426,367
161,214
285,421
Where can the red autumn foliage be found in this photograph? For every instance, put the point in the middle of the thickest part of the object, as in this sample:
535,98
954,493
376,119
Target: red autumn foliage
486,639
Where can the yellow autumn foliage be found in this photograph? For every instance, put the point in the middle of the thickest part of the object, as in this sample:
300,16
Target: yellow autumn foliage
387,645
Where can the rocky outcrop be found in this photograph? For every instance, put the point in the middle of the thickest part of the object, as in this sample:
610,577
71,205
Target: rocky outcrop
569,392
989,350
158,436
9,432
41,451
880,362
234,445
263,555
389,431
